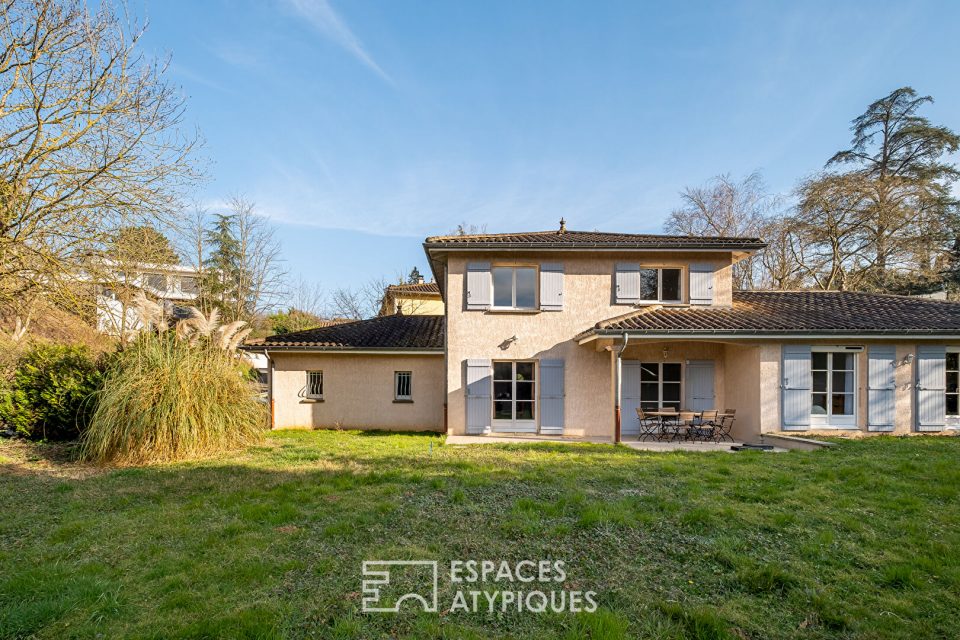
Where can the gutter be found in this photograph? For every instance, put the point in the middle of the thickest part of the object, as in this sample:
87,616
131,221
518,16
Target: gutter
884,335
343,350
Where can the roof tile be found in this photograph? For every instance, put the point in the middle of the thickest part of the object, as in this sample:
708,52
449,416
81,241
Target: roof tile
385,332
797,312
592,239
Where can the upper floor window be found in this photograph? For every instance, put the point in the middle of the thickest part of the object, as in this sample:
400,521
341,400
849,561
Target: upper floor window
514,287
660,285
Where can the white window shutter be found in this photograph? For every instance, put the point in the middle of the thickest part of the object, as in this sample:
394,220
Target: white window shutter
797,386
627,283
479,286
551,286
478,396
931,388
551,396
701,284
881,388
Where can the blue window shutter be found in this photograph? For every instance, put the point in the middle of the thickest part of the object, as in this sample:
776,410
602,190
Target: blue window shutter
881,388
931,387
627,283
701,284
478,396
551,396
551,286
479,289
797,382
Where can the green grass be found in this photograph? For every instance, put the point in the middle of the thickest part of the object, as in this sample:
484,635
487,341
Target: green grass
861,541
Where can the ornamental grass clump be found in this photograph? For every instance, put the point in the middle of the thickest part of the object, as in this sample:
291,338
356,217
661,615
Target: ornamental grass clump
178,391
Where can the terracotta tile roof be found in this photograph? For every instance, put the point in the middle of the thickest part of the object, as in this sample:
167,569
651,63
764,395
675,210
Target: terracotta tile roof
430,288
396,332
589,240
798,313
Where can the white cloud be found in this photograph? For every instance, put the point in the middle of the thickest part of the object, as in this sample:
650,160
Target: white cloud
324,19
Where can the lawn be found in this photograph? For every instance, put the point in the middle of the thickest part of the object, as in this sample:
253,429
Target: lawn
861,541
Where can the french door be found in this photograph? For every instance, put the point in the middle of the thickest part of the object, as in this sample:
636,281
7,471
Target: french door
660,384
514,396
834,389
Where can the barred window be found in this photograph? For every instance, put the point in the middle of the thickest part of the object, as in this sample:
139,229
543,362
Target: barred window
315,385
403,385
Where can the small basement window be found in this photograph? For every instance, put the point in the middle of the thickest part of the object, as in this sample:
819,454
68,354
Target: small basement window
403,385
314,388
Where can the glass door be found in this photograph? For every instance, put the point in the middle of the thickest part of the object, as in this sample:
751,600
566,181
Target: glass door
834,384
660,384
514,396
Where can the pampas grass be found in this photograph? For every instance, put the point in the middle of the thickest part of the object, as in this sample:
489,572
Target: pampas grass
174,395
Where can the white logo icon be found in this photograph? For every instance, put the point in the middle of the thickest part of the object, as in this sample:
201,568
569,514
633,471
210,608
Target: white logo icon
377,576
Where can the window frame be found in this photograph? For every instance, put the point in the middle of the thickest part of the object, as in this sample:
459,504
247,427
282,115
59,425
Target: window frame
660,300
514,424
513,286
308,385
660,382
952,419
397,397
830,420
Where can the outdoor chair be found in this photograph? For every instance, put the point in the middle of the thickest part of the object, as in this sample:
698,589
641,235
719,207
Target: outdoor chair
649,425
705,427
677,426
726,425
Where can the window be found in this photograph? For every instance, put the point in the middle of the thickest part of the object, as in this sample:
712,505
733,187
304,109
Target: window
660,285
403,385
660,385
514,287
953,383
314,388
514,394
833,393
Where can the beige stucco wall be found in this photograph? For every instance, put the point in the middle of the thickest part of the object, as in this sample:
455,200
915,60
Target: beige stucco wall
358,391
742,372
905,394
418,305
588,298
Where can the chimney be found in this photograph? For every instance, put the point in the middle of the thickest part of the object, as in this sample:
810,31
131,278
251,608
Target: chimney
420,280
563,226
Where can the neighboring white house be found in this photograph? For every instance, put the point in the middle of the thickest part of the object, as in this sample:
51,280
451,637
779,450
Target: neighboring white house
170,284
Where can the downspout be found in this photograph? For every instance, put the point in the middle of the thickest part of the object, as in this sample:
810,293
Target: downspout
619,392
270,386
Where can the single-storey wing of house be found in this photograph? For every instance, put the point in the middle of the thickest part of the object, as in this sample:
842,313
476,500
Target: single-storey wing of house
569,333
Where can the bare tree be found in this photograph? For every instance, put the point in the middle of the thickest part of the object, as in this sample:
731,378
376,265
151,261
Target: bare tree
91,141
261,278
359,302
307,296
469,229
725,207
833,238
778,267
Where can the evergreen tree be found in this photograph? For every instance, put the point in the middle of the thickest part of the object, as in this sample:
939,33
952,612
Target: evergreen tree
898,157
224,266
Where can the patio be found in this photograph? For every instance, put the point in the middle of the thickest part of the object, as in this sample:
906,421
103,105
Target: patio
632,442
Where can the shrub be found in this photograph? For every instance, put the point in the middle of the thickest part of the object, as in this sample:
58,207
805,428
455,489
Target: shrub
175,395
49,394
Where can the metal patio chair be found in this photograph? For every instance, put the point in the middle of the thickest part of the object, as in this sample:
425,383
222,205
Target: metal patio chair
649,425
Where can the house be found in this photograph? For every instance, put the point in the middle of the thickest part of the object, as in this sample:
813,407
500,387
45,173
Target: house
569,332
415,298
170,284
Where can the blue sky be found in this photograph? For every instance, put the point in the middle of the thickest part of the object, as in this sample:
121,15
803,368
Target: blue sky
361,127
